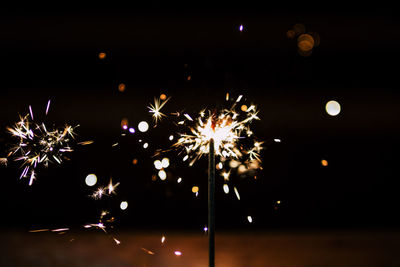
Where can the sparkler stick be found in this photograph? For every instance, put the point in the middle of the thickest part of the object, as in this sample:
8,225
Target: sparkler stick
211,204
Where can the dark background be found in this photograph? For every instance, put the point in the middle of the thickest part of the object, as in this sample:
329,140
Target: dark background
53,54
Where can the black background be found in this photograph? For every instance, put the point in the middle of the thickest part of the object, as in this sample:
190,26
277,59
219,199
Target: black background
53,54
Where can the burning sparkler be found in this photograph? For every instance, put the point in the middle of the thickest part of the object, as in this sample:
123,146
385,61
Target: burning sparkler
38,144
230,131
227,135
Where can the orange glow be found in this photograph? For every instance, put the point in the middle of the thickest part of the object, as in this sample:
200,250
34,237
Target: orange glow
189,78
243,108
291,34
121,87
163,97
195,189
124,123
324,162
305,42
134,161
102,55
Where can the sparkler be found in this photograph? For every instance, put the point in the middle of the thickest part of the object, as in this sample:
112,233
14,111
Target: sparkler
38,144
226,135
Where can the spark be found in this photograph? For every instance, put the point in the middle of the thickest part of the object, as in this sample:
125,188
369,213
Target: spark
98,194
155,109
3,161
85,143
277,140
60,230
250,219
48,106
39,145
162,239
148,251
111,187
39,230
236,193
116,241
227,128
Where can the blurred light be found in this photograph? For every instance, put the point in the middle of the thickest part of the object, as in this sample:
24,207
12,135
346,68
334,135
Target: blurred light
243,108
234,163
171,137
124,123
162,174
134,161
91,180
185,157
305,42
242,169
195,189
277,140
278,202
250,219
123,205
178,253
162,239
241,28
324,162
227,96
189,78
291,34
299,28
226,189
157,164
121,87
179,180
131,130
220,166
153,177
332,108
102,55
143,126
165,162
205,228
163,97
145,145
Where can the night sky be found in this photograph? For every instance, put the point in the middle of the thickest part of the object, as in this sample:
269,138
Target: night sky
154,50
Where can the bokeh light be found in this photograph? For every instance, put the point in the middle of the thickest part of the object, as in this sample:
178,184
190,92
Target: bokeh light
132,130
91,179
123,205
226,189
102,55
157,164
143,126
121,87
332,108
163,97
195,189
324,162
124,123
305,42
165,162
162,174
134,161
